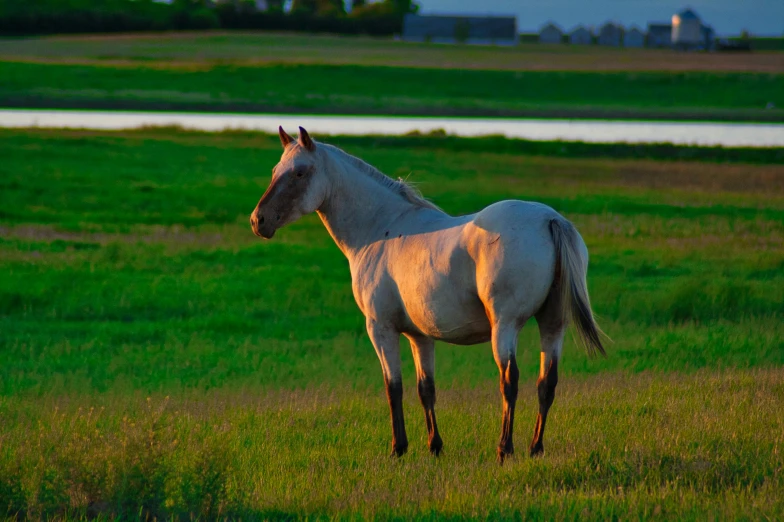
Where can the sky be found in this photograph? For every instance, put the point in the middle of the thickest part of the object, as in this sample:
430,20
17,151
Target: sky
728,17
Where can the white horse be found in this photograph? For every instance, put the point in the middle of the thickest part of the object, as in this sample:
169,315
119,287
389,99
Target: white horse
422,273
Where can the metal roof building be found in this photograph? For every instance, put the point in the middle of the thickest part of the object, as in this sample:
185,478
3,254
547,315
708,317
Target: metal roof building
610,34
498,30
708,37
580,36
551,34
633,37
659,35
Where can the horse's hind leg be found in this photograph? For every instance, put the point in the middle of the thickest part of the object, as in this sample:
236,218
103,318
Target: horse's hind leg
504,350
552,327
423,349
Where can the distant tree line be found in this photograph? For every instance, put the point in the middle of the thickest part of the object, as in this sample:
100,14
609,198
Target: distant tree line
28,17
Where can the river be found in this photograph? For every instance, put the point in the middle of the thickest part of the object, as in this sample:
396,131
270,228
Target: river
598,131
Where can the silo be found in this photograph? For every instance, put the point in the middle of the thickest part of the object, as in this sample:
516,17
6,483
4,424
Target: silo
686,29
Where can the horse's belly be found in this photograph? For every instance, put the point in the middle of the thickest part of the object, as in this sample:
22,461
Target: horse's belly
447,316
475,335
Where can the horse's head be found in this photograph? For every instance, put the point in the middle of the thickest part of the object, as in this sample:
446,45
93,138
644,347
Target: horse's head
298,186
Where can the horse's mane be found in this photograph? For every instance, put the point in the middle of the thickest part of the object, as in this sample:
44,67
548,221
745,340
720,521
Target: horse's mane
398,186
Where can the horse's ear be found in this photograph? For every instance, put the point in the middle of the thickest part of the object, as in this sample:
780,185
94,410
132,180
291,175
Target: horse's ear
305,141
285,139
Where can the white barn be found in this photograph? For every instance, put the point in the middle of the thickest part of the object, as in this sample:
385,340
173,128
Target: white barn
580,36
686,30
550,34
634,37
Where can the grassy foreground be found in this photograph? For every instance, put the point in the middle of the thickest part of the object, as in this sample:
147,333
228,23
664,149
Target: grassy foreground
673,447
129,275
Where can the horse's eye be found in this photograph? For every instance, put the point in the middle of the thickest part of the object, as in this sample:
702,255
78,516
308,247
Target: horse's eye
299,174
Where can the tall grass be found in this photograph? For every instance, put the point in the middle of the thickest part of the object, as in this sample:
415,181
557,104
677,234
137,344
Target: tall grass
669,446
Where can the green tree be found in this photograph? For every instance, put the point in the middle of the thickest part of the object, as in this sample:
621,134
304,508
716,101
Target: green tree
239,6
462,31
330,8
191,4
403,6
247,6
304,6
323,8
275,6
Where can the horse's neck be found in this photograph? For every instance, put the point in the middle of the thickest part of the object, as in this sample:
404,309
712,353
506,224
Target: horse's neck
358,208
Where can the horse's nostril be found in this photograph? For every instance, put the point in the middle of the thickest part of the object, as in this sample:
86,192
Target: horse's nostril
277,217
261,220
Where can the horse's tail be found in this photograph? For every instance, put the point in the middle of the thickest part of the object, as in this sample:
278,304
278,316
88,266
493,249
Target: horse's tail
571,268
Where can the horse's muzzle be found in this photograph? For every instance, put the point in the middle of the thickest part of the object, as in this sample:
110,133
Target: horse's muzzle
261,227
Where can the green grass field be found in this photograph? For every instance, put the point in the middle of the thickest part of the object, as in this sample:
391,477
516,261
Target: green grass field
307,74
159,360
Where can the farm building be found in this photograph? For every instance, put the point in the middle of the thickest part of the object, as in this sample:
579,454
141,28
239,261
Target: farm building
659,35
686,30
633,37
498,30
708,37
550,34
580,36
610,34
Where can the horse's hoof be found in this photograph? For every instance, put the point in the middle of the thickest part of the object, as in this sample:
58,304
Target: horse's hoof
435,449
399,450
504,454
435,445
537,450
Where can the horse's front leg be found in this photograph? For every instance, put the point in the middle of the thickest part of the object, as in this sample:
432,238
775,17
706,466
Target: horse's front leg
423,349
504,340
386,341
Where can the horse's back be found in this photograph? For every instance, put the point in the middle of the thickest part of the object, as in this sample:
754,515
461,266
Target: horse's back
513,214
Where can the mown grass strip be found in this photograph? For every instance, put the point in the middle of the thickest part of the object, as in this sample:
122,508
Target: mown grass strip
572,149
351,89
438,140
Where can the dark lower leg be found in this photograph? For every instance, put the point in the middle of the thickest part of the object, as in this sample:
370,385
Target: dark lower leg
509,378
545,387
427,395
395,397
